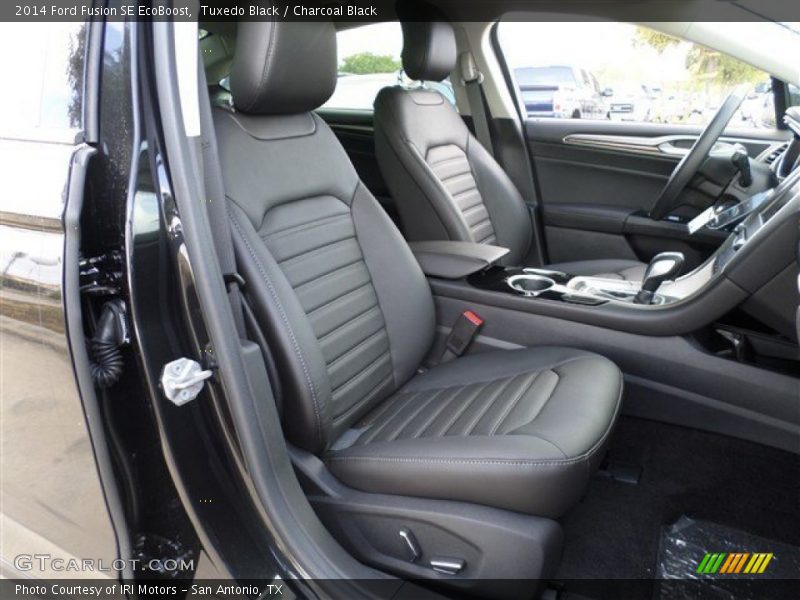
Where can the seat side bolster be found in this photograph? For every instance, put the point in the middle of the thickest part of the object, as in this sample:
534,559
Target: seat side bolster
307,414
517,472
403,293
507,209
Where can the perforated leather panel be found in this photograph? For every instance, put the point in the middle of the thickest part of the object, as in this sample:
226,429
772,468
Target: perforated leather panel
451,167
314,243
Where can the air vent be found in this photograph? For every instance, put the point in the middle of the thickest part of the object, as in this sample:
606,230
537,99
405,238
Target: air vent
773,156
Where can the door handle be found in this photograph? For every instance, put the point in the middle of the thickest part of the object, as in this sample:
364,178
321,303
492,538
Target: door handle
671,149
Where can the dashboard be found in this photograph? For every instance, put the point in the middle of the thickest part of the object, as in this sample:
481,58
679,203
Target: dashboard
748,221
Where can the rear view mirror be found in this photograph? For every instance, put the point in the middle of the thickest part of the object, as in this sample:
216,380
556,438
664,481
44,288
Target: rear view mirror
607,92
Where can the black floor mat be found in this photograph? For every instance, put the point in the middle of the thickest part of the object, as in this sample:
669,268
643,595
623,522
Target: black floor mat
614,532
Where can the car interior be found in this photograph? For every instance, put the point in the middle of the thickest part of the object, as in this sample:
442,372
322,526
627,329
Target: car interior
502,349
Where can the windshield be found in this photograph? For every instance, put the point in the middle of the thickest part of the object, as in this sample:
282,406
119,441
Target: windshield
767,45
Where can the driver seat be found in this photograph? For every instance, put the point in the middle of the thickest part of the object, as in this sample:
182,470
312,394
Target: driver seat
445,184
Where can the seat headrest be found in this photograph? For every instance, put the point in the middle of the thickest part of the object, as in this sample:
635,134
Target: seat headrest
429,47
283,67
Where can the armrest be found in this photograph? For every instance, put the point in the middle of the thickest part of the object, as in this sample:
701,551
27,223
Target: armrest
454,260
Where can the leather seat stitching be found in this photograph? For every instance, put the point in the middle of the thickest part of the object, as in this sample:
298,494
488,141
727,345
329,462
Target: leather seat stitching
368,436
511,462
284,318
539,436
492,399
446,160
251,134
543,404
363,400
457,415
435,415
524,390
466,175
475,187
550,367
352,292
308,253
414,414
317,285
267,65
334,272
358,346
371,366
359,317
304,226
473,208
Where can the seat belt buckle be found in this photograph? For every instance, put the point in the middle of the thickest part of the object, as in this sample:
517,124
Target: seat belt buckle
465,330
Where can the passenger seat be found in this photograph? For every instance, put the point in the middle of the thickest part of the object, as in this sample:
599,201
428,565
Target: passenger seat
446,186
350,316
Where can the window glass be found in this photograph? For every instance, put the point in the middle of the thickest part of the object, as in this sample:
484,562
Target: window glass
794,95
624,72
43,75
368,61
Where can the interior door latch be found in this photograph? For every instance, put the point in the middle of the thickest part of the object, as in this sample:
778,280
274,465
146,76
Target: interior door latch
182,380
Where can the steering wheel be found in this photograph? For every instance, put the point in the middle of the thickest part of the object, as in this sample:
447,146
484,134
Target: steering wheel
693,160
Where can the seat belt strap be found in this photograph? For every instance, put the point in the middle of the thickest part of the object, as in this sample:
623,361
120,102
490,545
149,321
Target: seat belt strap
472,79
217,206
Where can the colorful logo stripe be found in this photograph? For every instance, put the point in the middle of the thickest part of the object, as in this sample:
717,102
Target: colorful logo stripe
731,563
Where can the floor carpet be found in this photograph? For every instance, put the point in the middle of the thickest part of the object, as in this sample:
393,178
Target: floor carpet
614,532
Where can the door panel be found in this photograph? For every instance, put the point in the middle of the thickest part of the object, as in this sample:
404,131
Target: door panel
598,179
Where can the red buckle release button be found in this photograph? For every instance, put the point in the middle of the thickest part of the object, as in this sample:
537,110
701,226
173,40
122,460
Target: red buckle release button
473,318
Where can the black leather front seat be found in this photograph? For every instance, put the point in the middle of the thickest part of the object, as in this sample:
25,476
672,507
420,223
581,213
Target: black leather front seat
349,314
446,186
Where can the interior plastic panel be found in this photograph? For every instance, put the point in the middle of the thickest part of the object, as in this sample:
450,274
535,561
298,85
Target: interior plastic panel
505,554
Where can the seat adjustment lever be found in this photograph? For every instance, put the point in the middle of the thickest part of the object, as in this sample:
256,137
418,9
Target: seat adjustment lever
411,544
448,566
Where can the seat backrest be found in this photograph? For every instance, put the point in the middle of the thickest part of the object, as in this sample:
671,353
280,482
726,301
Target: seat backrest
346,309
446,186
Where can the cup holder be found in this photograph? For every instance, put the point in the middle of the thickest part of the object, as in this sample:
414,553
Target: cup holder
529,284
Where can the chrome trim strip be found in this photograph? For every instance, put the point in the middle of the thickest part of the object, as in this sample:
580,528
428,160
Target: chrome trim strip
792,123
624,143
663,146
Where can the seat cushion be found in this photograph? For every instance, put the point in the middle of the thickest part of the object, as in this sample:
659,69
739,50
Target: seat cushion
519,429
629,270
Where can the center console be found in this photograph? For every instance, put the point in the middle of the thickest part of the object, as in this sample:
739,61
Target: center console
564,287
748,224
532,283
754,262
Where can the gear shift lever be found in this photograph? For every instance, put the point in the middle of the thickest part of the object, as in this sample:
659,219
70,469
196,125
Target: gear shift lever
664,266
